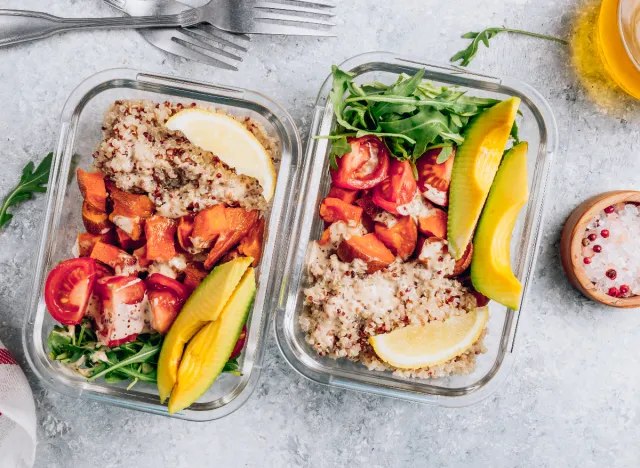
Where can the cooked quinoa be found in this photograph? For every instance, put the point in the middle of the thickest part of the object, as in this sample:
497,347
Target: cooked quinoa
141,155
344,305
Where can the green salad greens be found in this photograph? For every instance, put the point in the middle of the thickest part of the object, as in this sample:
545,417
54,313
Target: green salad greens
411,116
77,347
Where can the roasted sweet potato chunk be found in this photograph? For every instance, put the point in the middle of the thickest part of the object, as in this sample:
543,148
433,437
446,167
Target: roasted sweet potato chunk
231,255
130,204
126,242
463,262
367,248
129,211
193,275
434,225
334,209
346,195
185,229
401,238
87,241
326,236
112,256
160,233
251,244
93,189
141,255
239,222
95,221
208,225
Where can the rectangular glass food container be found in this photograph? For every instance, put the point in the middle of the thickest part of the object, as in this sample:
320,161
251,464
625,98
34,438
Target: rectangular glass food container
537,126
81,132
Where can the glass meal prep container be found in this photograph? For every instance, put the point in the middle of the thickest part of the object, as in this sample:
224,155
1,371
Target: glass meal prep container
537,126
81,132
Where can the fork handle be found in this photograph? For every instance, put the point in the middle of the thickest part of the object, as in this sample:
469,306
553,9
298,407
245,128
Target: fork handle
18,26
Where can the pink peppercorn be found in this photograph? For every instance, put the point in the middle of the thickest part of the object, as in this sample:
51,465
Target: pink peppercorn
613,292
593,237
609,209
605,233
597,248
612,274
624,289
587,260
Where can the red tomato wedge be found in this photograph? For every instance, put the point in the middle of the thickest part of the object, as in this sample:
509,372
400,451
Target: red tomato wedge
166,298
68,289
398,189
365,166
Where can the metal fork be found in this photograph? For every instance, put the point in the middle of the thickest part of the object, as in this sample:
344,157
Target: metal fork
190,43
248,16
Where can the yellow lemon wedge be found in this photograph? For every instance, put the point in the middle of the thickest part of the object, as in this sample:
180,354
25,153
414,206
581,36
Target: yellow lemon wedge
230,141
435,343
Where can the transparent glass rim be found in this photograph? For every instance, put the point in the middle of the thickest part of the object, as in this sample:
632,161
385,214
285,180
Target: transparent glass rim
625,23
323,122
269,272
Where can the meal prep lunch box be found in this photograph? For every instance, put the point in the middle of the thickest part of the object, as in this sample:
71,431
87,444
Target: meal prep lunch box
293,222
537,126
81,124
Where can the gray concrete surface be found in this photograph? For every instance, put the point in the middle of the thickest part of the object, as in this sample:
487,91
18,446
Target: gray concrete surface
571,400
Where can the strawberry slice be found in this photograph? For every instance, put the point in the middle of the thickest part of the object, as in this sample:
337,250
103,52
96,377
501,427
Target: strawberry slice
122,316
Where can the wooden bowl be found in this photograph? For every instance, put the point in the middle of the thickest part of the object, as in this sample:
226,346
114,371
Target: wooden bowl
571,246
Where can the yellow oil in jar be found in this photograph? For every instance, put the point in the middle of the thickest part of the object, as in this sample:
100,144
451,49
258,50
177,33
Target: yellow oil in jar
599,56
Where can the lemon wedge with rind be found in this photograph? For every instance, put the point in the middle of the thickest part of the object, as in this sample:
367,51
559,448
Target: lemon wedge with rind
435,343
230,141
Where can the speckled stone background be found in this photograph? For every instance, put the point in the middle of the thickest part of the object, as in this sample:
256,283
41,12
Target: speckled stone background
572,398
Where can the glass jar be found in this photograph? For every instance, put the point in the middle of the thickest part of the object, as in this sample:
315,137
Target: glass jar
618,37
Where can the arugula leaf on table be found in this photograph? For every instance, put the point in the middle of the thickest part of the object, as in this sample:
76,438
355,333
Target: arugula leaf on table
465,56
32,181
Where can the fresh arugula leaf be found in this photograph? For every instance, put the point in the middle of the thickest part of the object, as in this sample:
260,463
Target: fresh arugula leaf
465,56
438,104
410,115
422,127
339,148
514,133
32,181
445,154
76,346
341,82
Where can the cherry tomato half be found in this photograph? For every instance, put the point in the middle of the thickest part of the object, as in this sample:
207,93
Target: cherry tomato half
166,298
398,189
365,166
160,282
68,289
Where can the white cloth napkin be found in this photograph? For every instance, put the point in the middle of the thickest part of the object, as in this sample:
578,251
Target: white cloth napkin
17,415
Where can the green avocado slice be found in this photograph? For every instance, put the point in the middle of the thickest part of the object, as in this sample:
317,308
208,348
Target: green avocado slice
203,306
207,353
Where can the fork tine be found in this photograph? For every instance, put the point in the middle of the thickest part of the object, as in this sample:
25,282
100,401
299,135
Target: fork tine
198,40
265,15
293,8
283,29
183,49
320,3
213,34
